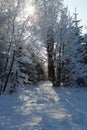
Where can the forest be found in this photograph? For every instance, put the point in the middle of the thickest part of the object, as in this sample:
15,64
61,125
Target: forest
43,66
40,40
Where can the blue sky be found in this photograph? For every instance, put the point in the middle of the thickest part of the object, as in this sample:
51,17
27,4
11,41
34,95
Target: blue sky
81,6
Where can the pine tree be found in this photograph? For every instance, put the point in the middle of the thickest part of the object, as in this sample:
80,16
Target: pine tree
73,52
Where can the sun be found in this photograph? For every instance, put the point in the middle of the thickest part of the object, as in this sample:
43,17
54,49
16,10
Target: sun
29,10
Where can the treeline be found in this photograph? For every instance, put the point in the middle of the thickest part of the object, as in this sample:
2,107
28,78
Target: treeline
46,45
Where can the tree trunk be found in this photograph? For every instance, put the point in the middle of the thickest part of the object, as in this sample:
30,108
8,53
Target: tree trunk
7,79
50,54
59,68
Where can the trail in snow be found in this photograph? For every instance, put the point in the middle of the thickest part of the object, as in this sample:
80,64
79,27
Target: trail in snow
43,107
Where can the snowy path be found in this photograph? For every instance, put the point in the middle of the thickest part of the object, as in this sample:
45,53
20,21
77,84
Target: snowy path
42,107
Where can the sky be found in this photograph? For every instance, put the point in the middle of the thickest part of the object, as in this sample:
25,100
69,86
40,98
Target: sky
81,6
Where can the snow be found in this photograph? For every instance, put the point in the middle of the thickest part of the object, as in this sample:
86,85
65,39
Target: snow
43,107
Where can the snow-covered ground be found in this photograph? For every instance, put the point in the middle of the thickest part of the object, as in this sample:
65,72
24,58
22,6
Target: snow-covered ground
43,107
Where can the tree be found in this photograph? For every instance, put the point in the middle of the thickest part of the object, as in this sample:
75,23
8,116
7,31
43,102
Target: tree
62,38
72,52
14,36
48,13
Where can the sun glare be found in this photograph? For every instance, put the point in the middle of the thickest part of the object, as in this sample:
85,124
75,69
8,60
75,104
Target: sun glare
29,10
